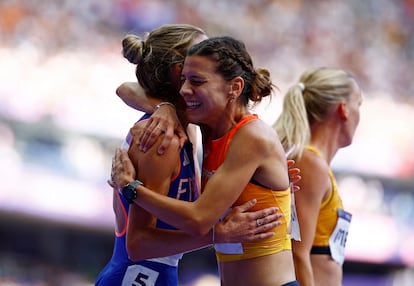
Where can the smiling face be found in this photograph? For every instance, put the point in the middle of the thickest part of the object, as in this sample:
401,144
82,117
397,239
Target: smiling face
205,91
177,68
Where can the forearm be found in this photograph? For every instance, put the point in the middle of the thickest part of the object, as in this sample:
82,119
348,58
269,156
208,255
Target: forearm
304,275
185,216
303,267
160,243
134,96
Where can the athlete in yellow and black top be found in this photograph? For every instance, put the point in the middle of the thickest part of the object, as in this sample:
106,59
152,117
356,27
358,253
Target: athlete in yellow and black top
319,117
333,222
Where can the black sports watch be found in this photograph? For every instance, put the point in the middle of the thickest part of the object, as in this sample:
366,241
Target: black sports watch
129,191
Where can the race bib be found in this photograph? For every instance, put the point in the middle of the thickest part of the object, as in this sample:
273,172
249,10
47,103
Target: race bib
337,241
138,275
229,248
294,223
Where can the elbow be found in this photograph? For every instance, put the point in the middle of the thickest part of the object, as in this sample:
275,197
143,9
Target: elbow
136,249
131,248
122,91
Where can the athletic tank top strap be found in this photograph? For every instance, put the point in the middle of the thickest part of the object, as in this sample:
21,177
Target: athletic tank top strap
330,221
243,121
229,136
215,150
330,173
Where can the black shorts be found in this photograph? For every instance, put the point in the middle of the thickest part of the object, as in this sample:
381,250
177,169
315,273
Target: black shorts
320,250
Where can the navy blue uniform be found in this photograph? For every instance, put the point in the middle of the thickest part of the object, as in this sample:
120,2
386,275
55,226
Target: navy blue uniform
162,271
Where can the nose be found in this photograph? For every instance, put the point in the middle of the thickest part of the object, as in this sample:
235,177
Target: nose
185,89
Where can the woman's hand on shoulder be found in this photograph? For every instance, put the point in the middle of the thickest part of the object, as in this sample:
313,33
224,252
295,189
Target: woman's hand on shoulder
294,176
123,171
163,121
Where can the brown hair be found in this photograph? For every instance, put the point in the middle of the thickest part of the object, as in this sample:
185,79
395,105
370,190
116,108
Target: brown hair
156,53
232,60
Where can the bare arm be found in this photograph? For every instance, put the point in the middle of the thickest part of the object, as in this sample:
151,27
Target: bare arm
165,118
134,96
156,172
222,189
313,185
145,241
239,225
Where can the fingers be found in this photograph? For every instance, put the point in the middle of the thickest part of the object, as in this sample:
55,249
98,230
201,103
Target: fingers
294,188
169,133
122,171
263,231
263,225
262,235
294,176
268,212
268,219
246,206
111,183
293,172
166,140
181,135
163,120
151,134
147,131
294,179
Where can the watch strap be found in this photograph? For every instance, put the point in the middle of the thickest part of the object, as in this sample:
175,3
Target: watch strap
129,192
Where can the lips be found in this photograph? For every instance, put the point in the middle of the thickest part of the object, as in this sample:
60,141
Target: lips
193,104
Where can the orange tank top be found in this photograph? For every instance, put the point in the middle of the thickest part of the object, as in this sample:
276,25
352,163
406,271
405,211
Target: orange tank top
214,154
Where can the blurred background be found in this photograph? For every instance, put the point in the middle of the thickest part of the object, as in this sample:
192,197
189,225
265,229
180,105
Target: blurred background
60,121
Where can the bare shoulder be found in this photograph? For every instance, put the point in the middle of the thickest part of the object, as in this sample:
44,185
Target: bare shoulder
259,136
264,153
314,172
258,132
312,161
137,130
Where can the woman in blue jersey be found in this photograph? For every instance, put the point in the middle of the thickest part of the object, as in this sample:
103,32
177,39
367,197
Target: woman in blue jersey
154,246
243,159
320,114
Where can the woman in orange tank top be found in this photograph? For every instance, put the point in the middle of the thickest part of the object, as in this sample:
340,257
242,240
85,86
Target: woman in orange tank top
218,82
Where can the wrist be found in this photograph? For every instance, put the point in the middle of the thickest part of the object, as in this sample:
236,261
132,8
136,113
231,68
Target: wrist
217,232
163,104
129,191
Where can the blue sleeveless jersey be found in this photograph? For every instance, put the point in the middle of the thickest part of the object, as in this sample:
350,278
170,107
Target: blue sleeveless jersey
162,271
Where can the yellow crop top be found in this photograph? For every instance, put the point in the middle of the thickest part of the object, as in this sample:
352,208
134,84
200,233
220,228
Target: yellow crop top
216,151
328,212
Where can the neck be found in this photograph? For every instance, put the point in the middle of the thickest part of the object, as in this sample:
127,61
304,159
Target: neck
227,122
325,139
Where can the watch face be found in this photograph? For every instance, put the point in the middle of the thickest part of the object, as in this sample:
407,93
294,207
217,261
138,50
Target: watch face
129,193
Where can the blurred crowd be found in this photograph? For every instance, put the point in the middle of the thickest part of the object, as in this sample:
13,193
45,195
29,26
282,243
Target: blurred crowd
372,38
61,62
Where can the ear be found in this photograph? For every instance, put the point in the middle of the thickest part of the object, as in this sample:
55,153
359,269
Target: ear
236,87
177,68
343,111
